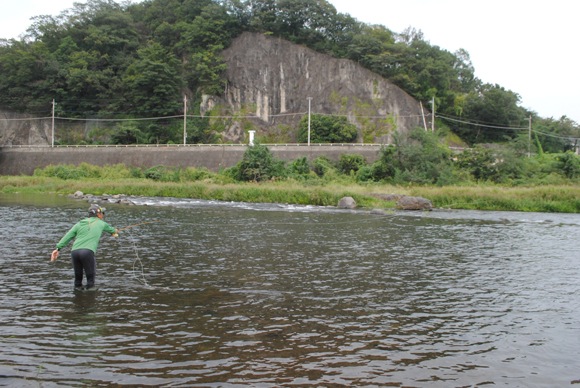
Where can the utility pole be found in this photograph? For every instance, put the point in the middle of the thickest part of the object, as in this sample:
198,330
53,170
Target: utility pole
184,119
309,100
423,116
52,125
433,114
530,136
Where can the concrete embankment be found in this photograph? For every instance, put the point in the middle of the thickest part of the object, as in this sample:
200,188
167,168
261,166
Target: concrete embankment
23,160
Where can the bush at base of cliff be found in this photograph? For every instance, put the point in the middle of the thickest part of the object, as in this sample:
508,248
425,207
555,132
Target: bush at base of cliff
258,164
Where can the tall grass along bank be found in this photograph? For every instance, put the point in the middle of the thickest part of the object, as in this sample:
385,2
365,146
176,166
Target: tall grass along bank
311,190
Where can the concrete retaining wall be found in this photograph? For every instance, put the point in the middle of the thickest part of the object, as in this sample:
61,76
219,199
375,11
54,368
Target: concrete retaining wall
23,160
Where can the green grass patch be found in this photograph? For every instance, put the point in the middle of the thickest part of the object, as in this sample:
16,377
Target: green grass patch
203,184
561,199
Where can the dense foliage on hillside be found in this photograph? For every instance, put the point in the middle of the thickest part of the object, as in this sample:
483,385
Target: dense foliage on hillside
418,158
105,59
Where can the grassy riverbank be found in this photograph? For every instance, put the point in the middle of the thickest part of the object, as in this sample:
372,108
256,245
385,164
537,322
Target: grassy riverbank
555,198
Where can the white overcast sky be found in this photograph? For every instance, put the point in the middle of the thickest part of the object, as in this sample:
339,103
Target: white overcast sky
527,46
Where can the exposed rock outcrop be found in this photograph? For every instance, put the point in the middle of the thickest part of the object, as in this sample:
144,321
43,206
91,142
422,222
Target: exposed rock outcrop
273,79
17,129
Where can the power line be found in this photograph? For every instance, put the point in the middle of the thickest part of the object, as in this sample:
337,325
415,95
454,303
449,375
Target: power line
503,127
385,116
207,117
478,124
246,116
556,136
444,117
135,119
27,119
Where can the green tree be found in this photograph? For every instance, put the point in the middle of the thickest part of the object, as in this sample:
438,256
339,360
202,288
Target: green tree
497,115
351,163
556,136
259,164
213,26
206,69
418,157
369,46
152,82
499,164
385,167
422,157
199,131
480,162
326,129
299,167
128,132
322,166
27,71
569,164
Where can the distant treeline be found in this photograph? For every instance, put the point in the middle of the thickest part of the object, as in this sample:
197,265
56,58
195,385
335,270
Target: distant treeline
101,59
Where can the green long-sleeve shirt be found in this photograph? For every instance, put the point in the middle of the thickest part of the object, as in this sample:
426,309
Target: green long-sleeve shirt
87,233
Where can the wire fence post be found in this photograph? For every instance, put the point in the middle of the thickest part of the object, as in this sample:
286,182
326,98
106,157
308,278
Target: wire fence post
184,119
309,100
530,137
52,125
433,114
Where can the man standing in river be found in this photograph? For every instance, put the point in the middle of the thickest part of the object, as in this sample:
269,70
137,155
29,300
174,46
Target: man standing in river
87,233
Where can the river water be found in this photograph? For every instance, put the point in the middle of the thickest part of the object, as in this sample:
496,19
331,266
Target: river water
213,294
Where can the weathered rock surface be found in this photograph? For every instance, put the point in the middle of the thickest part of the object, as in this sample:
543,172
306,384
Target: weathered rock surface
405,202
273,79
15,129
414,203
347,203
100,199
388,197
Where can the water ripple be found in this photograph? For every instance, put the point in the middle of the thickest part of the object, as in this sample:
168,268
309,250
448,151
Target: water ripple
217,294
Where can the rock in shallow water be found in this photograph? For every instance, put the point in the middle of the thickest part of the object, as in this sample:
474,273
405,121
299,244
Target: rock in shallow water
347,203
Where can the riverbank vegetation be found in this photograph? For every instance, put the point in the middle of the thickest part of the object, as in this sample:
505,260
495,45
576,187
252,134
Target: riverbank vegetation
478,178
554,198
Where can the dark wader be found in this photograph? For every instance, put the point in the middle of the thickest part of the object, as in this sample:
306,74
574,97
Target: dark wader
84,260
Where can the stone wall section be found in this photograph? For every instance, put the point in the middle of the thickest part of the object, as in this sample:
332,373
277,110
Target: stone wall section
24,160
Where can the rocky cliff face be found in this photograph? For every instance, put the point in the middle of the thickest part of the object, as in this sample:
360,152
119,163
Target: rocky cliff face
272,79
19,129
